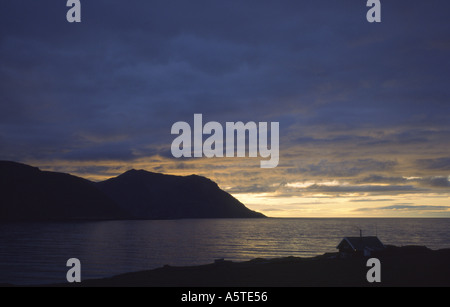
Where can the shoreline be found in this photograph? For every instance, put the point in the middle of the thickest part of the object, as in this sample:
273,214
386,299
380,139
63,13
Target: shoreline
408,266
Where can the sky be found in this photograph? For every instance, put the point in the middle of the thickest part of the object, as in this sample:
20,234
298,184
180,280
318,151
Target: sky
363,107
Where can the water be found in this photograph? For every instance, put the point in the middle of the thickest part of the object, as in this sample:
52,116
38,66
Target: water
36,253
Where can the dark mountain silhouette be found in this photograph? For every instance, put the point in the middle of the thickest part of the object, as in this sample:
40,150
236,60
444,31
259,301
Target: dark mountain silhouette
29,194
150,195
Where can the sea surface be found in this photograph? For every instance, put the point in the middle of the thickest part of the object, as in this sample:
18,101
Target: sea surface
36,253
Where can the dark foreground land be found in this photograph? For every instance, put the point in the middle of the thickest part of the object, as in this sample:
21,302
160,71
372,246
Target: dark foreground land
400,266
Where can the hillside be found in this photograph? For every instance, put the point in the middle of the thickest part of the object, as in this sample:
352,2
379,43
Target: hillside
148,195
29,194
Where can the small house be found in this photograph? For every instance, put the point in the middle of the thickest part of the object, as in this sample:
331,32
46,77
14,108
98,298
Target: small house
359,246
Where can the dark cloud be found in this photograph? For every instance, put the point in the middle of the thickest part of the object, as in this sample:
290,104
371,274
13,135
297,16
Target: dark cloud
101,152
381,179
436,182
434,164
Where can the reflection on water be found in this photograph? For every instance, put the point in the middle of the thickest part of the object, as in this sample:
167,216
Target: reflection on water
37,253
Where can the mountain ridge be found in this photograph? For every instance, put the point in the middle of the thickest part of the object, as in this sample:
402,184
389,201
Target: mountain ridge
202,196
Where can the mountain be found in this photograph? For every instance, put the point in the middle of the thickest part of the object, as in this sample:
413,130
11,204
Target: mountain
29,194
150,195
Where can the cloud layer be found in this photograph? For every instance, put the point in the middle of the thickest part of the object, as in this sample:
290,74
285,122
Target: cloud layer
364,105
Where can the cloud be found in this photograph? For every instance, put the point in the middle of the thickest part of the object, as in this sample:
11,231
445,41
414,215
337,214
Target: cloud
344,168
381,179
434,164
430,181
356,103
256,188
364,189
406,208
435,182
371,200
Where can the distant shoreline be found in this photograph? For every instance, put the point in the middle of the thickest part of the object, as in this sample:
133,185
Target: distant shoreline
213,218
408,266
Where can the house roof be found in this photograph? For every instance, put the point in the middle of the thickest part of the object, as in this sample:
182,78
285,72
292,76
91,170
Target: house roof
361,243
